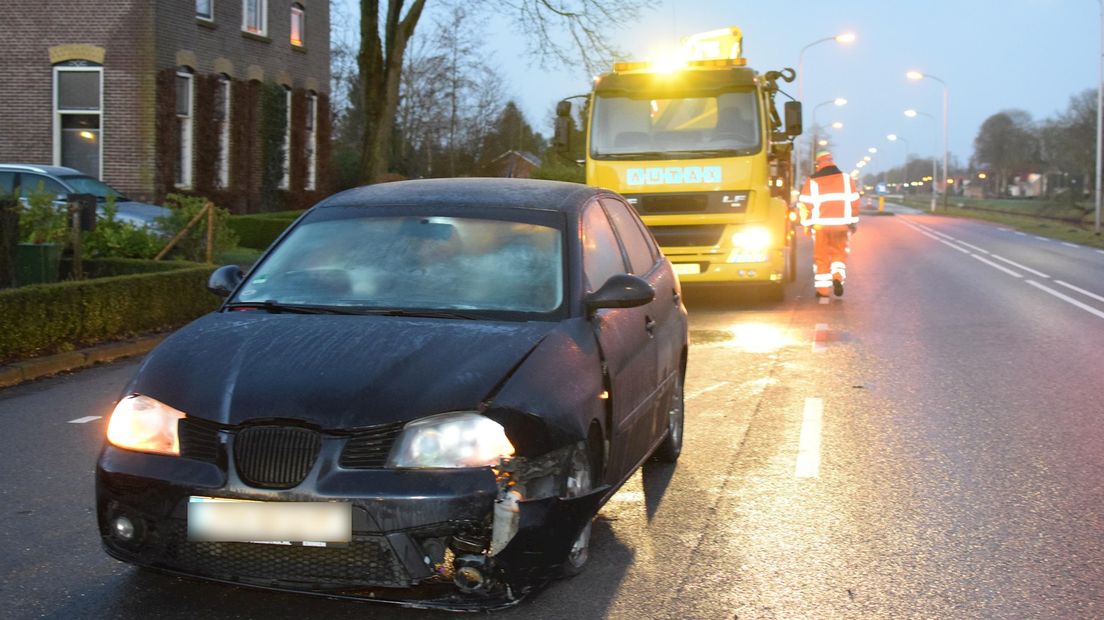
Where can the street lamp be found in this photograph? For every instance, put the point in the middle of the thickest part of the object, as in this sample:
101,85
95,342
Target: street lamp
837,125
916,75
838,101
1099,120
844,38
894,138
914,114
872,150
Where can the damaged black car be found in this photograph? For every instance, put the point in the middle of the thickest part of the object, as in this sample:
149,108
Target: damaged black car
422,393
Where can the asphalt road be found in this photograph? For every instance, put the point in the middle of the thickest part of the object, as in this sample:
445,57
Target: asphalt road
930,445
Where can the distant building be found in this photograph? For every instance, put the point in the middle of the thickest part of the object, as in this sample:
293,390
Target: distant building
222,98
515,164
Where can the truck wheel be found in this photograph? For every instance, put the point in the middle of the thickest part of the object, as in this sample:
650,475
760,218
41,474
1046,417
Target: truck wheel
791,266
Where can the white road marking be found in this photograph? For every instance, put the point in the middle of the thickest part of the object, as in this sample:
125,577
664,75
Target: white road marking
808,446
1005,229
1080,290
823,301
1023,267
820,334
996,266
1022,234
960,249
707,390
86,419
1066,298
1041,238
1070,245
973,247
1100,251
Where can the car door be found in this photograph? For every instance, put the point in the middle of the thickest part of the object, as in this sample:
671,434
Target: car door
662,316
627,346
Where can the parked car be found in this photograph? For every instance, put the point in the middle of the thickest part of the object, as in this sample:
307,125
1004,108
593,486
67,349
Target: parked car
61,182
422,393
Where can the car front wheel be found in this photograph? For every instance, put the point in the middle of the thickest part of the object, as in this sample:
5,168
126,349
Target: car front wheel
580,481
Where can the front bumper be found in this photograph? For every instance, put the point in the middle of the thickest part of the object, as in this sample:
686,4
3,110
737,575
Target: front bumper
411,531
713,268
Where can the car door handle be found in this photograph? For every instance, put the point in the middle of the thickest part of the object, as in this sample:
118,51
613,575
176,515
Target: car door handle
674,295
649,324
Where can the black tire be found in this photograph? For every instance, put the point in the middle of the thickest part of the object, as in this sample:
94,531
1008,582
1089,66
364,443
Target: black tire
671,448
791,268
580,481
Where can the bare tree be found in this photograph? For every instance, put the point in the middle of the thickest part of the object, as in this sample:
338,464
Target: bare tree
380,61
1005,142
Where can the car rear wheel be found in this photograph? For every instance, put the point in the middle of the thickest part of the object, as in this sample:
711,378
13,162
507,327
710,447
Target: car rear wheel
671,448
580,481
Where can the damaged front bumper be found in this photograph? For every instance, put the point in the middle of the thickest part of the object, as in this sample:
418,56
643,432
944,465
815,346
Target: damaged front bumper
451,539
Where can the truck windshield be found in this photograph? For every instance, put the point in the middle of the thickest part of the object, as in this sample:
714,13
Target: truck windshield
639,127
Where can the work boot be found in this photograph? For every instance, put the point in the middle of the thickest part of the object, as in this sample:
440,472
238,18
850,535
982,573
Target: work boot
837,287
820,295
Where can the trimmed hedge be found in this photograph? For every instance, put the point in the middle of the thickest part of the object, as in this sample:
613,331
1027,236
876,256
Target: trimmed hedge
45,318
259,231
108,267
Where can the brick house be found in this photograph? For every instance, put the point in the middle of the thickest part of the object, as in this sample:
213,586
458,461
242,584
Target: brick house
223,98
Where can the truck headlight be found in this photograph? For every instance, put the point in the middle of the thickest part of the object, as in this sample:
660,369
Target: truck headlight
750,245
451,440
144,424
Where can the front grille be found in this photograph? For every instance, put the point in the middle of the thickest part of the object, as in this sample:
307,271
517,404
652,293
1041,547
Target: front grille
275,457
198,439
657,204
368,449
683,236
367,561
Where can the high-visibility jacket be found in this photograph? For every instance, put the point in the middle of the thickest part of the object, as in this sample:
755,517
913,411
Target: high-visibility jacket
829,200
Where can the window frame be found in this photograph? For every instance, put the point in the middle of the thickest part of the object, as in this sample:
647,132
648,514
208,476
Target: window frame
262,17
210,17
225,131
625,235
57,112
311,181
285,180
297,8
186,180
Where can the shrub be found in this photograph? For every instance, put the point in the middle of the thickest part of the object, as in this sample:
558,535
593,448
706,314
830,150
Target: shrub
44,318
43,221
108,267
557,169
194,245
116,238
259,231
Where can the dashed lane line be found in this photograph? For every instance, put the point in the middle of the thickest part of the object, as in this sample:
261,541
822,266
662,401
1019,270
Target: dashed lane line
1066,298
1070,245
974,247
996,266
1080,290
1019,266
86,419
808,446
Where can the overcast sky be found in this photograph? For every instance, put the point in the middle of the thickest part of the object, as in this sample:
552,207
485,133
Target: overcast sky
993,54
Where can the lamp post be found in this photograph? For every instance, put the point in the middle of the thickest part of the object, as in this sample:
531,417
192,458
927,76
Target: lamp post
904,171
914,114
916,75
1099,120
845,38
839,101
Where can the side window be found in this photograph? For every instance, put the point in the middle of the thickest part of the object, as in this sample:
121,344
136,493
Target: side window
35,182
7,183
601,253
637,246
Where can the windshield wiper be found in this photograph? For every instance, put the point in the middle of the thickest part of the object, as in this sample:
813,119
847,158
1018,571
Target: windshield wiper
274,307
636,155
434,314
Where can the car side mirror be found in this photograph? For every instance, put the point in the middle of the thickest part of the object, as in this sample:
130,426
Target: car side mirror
792,110
620,291
224,280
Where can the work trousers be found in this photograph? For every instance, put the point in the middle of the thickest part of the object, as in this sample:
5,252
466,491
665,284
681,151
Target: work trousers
830,256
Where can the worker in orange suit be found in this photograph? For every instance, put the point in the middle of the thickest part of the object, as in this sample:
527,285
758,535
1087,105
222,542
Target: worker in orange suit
829,205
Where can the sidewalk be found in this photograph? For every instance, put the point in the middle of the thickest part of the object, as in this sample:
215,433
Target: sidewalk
39,367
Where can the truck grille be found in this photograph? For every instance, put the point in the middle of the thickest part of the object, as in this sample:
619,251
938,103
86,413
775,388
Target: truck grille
369,449
275,457
367,561
683,236
659,204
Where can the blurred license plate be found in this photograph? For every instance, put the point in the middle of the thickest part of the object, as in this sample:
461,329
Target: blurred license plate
218,519
687,269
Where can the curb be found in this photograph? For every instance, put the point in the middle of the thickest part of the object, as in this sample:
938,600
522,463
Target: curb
39,367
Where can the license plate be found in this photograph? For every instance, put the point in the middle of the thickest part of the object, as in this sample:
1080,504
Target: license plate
217,519
687,269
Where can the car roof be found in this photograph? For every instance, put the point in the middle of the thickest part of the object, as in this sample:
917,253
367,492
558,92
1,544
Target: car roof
53,170
481,192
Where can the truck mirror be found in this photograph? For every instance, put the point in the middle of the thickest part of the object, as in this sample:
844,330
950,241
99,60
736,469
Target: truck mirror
563,109
793,118
561,139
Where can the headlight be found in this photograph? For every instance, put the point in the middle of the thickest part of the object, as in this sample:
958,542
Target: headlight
750,246
144,424
462,439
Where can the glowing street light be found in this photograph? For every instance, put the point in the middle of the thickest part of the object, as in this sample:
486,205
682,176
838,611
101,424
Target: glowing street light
915,76
866,158
837,125
838,101
872,150
843,38
822,142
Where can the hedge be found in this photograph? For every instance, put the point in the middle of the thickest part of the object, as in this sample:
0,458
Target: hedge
107,267
45,318
259,231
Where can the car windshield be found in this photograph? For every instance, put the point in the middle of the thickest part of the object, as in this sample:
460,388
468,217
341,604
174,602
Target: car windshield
675,127
414,263
87,185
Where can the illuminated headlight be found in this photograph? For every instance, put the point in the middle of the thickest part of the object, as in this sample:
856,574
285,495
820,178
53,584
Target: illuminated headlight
144,424
750,246
461,439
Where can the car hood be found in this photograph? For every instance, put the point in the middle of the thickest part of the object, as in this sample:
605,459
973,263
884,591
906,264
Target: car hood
333,371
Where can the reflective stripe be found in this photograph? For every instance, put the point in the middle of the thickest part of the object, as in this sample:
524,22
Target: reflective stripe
837,196
832,221
824,284
822,276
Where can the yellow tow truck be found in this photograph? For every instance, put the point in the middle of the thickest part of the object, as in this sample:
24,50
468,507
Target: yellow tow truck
698,147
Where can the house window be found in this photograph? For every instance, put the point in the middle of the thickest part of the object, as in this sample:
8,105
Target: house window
255,16
205,9
312,141
78,112
222,113
284,180
184,107
298,23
